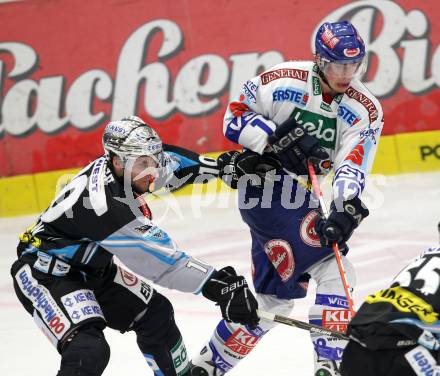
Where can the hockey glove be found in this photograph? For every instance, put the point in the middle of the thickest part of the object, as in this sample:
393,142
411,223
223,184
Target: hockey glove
232,294
341,223
259,168
293,146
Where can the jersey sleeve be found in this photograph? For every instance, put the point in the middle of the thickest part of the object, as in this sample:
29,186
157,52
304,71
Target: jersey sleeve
355,155
148,251
183,166
245,122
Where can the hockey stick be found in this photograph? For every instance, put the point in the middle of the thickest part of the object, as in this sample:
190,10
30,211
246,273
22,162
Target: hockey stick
318,194
300,324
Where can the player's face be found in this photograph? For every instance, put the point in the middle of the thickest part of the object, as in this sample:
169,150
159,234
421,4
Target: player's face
339,75
144,170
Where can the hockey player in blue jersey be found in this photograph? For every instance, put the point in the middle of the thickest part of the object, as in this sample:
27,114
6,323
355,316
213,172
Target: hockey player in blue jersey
298,111
65,276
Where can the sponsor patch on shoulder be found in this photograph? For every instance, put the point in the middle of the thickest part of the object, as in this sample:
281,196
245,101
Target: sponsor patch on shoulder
273,75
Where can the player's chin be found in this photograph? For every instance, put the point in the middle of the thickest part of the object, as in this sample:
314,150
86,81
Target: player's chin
141,186
341,87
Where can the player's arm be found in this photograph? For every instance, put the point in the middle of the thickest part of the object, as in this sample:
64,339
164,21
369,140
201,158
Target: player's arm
244,122
353,162
186,167
150,252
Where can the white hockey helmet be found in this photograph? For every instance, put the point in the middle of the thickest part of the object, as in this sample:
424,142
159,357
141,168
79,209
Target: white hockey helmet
131,137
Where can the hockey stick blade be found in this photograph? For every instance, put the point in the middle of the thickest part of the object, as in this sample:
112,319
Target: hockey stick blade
300,324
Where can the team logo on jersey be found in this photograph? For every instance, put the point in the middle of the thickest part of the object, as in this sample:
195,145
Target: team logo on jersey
290,94
370,133
280,255
241,342
336,319
373,114
348,115
297,74
307,229
405,301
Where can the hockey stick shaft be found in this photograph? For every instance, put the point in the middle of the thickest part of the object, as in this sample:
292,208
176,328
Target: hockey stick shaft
318,194
300,324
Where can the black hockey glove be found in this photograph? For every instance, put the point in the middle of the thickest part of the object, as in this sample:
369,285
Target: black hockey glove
233,165
293,146
341,223
232,294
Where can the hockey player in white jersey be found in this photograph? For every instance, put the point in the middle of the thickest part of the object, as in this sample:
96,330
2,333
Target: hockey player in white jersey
298,111
65,276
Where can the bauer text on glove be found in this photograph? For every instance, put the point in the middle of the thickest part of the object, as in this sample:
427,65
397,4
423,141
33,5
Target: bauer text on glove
232,294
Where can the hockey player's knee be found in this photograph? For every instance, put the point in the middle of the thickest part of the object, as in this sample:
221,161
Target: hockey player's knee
86,354
328,278
157,324
275,305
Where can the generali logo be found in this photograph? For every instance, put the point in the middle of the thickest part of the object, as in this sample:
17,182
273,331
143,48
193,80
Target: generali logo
56,106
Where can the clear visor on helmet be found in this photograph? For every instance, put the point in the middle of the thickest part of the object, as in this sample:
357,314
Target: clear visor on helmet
145,169
342,69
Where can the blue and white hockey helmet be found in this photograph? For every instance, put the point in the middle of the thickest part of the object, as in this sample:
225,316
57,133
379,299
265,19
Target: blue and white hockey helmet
131,137
341,44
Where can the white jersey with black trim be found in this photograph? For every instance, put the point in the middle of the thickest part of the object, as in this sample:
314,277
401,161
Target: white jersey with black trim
95,217
349,128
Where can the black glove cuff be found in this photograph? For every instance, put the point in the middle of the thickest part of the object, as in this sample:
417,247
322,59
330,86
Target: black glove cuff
353,210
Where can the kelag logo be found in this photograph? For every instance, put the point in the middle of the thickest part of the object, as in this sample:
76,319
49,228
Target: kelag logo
428,152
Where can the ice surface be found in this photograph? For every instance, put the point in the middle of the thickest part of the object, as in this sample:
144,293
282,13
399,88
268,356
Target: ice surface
405,210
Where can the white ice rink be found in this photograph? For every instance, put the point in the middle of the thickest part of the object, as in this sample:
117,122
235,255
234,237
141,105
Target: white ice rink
405,210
